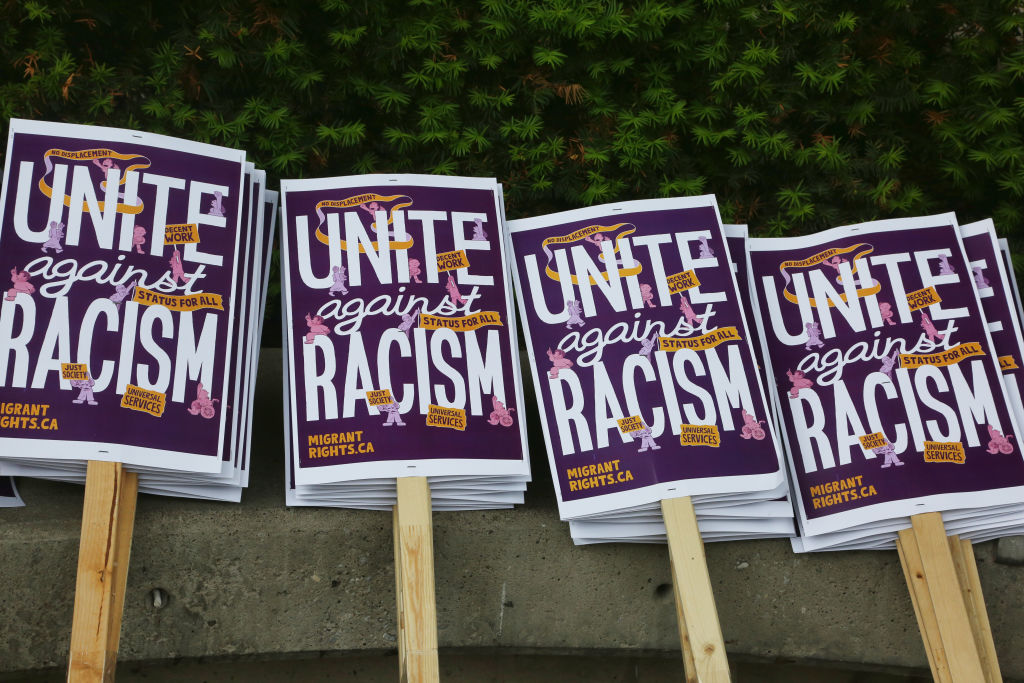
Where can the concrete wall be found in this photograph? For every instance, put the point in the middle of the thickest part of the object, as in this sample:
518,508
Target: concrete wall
262,580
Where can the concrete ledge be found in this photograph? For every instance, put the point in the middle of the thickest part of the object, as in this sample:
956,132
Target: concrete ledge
260,579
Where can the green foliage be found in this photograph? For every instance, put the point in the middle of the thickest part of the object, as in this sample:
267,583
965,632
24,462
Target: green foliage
798,115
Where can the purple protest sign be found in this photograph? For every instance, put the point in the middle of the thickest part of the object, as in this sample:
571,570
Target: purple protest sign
399,329
888,389
121,248
640,355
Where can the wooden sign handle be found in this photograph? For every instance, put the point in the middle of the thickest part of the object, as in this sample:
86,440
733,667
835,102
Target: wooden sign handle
939,571
970,586
920,596
414,582
695,603
108,518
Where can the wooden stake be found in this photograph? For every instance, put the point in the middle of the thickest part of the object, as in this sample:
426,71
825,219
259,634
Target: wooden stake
414,581
970,587
913,572
695,603
940,574
108,518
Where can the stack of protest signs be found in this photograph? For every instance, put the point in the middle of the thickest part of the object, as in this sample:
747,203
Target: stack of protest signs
647,384
138,267
400,344
891,348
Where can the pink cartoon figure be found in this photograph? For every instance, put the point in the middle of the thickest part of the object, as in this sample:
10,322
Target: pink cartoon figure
944,267
834,262
999,443
704,251
177,269
813,336
105,165
887,313
929,329
558,362
56,235
478,231
414,270
338,273
799,382
979,277
121,292
371,208
647,345
752,428
646,437
316,327
596,239
409,321
84,387
394,416
889,363
889,451
500,415
687,310
203,404
138,238
453,291
217,205
575,311
21,284
648,295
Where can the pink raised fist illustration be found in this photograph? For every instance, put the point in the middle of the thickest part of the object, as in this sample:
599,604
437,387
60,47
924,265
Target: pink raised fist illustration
889,451
56,235
704,251
217,205
979,277
596,238
316,327
414,270
687,310
394,417
647,345
752,428
944,267
558,362
478,230
177,269
139,238
999,443
889,363
575,311
409,321
648,295
338,273
646,437
21,284
500,415
929,328
84,387
813,336
121,292
203,404
799,382
887,313
453,291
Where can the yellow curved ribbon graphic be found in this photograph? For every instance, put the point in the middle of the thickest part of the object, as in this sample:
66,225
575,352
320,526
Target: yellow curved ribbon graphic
89,155
583,233
403,202
822,256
